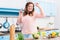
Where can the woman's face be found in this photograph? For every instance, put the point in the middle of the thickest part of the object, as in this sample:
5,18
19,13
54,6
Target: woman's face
30,7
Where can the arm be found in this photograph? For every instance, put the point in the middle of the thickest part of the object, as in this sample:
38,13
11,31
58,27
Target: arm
41,14
19,19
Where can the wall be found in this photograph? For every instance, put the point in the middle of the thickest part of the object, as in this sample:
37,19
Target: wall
57,17
48,6
43,22
12,3
51,1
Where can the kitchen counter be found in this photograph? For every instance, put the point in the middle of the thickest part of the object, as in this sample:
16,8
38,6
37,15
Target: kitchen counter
57,38
47,29
7,33
3,33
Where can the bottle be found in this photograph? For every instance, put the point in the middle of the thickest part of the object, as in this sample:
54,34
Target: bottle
19,27
12,32
6,24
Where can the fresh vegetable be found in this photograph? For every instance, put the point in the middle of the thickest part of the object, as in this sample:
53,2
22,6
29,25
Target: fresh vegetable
36,35
20,36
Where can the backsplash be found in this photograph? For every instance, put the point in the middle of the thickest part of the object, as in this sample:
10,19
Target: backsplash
41,22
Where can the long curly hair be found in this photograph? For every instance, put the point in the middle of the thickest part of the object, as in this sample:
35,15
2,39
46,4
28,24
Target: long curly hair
26,11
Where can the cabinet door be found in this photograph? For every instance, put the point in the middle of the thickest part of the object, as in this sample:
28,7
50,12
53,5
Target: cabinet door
4,38
1,37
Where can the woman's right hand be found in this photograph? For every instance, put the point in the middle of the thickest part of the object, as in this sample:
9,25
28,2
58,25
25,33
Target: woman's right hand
19,19
20,12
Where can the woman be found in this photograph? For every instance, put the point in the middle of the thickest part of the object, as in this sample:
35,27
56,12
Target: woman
28,17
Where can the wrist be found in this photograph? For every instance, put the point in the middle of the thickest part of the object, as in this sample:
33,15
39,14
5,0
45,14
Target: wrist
39,7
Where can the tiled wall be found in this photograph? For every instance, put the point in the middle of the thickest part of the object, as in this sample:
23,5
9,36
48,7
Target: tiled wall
11,20
41,22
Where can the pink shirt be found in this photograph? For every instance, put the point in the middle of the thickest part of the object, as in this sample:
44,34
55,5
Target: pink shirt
29,23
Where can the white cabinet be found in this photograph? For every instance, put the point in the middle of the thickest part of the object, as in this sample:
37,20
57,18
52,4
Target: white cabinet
4,38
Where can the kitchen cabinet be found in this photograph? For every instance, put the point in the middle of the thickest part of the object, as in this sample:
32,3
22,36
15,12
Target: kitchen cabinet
8,8
4,38
9,12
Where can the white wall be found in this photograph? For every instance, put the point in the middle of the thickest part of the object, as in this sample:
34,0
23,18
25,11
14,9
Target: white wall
51,1
20,4
42,22
12,3
57,17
